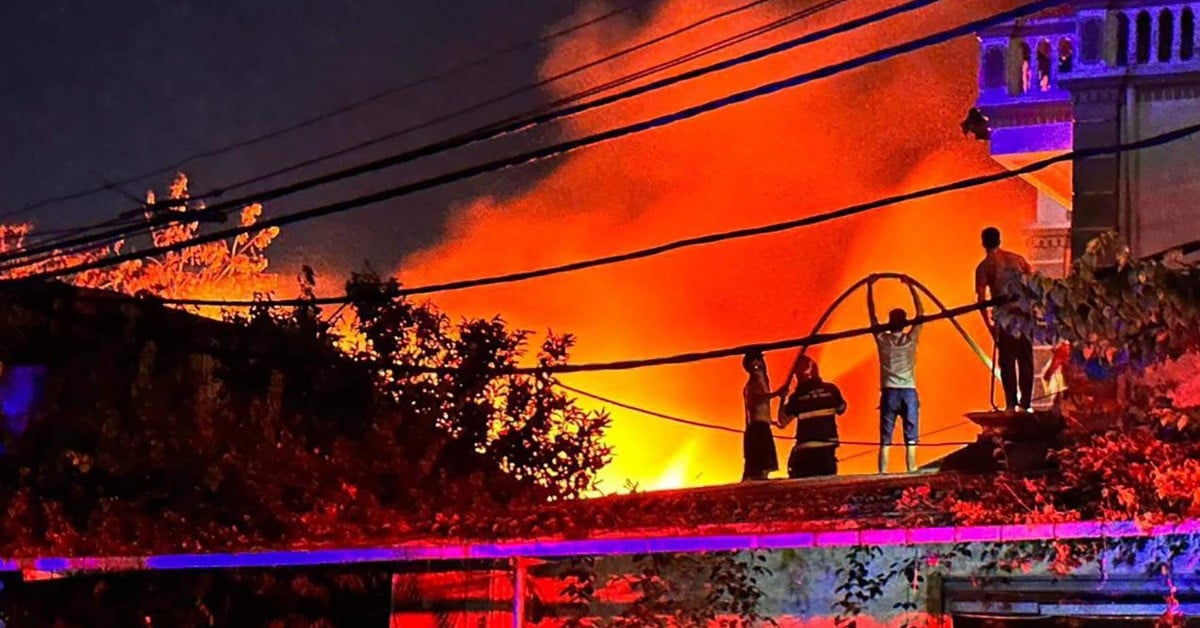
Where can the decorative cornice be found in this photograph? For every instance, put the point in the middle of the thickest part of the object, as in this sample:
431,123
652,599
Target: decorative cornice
1167,92
1117,5
1039,28
1048,243
1099,92
1017,113
1172,73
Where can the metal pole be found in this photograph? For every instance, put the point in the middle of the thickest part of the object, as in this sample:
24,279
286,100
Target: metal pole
518,611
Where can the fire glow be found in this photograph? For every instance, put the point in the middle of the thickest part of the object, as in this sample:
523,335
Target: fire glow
863,135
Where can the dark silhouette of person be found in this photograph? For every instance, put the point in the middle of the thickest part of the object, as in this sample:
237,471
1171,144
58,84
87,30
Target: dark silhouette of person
999,276
758,444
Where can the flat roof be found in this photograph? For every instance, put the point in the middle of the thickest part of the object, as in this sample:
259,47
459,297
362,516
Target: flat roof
616,546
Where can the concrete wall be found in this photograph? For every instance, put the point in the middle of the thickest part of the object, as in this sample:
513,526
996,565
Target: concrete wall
1151,195
1096,179
803,587
469,598
1165,186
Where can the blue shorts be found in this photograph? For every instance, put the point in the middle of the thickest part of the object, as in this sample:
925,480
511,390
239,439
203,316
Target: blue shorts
895,402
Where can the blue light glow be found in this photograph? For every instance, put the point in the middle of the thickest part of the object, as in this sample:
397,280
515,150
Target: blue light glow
550,548
20,389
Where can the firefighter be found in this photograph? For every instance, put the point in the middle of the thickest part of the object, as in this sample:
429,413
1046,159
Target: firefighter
814,406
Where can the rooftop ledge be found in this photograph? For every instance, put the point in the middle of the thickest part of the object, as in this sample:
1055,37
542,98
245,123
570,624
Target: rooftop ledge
646,543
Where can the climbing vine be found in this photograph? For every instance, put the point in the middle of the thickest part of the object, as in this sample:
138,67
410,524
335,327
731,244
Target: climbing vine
665,589
865,579
859,586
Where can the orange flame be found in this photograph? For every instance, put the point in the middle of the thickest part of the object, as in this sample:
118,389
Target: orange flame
865,134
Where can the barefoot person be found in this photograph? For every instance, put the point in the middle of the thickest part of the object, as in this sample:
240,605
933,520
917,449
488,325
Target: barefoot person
897,377
758,444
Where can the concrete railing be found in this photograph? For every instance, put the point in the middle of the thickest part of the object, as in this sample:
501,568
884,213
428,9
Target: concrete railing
614,546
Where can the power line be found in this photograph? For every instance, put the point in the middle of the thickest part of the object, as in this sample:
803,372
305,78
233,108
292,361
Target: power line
479,105
517,123
714,238
509,125
703,51
732,430
937,431
707,355
568,146
953,426
469,137
322,117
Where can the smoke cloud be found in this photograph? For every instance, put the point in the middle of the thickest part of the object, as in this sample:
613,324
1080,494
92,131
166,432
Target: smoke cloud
865,134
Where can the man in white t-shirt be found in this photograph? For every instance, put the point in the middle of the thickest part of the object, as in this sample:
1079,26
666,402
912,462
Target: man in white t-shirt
897,377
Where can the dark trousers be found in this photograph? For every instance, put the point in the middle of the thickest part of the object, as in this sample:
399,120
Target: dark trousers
758,450
1016,368
807,462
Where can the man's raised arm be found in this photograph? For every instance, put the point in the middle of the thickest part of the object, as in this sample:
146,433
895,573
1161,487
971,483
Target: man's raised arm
918,306
871,302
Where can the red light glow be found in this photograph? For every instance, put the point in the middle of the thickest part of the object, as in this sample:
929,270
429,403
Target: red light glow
863,135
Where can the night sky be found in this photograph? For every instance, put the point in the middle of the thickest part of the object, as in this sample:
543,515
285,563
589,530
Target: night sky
103,90
106,89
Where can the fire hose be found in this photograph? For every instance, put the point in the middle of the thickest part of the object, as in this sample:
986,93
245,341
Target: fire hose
988,362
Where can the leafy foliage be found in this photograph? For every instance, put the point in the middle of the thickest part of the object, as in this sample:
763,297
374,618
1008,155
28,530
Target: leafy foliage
1124,310
1132,331
522,424
1130,450
281,598
223,269
860,586
668,590
262,431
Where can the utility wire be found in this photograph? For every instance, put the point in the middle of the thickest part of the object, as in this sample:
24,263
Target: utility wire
50,238
703,356
478,105
482,104
869,452
951,427
703,51
568,146
731,430
713,238
322,117
499,129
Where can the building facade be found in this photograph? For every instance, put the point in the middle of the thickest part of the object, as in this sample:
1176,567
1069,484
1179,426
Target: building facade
1080,574
1094,75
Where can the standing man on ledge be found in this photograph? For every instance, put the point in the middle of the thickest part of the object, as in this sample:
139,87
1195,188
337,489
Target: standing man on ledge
758,444
1000,274
897,377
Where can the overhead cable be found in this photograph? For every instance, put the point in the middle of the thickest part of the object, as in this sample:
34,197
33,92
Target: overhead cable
568,146
113,235
702,356
713,238
733,430
496,130
327,115
499,98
